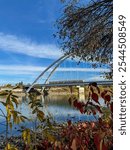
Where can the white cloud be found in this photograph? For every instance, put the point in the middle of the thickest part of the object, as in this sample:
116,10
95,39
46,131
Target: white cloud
97,78
25,46
17,69
84,69
27,74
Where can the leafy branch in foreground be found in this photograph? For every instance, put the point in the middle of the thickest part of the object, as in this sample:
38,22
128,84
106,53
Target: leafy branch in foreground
12,116
30,136
94,135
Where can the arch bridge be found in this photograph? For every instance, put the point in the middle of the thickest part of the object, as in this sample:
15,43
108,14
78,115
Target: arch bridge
62,83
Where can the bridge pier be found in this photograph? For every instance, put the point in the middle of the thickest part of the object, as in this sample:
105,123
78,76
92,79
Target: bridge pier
81,93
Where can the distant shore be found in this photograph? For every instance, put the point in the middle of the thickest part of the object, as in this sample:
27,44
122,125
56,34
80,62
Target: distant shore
54,90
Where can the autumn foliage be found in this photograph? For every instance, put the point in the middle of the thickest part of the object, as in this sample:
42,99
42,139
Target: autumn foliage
82,135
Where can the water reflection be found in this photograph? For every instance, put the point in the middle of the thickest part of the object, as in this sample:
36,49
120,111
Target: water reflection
56,105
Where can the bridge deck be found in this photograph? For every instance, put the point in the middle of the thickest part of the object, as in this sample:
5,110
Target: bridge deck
70,84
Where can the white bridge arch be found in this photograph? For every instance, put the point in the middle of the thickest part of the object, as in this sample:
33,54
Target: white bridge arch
56,64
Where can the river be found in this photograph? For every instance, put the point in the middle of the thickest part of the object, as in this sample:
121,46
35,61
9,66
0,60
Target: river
56,106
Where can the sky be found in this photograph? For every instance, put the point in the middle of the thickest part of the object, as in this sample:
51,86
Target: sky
27,45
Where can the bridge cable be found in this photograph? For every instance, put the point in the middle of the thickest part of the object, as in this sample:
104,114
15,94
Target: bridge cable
55,62
51,73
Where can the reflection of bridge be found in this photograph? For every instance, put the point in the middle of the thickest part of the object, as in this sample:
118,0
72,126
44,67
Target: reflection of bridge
53,67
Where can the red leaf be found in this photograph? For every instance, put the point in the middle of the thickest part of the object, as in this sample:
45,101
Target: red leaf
97,141
45,142
79,105
107,98
81,110
91,89
75,103
95,97
104,147
103,93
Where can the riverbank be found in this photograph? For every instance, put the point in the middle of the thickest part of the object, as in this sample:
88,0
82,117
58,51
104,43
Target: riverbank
56,90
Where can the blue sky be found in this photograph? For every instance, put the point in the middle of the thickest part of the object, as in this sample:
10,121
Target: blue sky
27,45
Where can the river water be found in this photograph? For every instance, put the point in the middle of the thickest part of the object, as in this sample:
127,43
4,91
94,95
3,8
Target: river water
57,106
